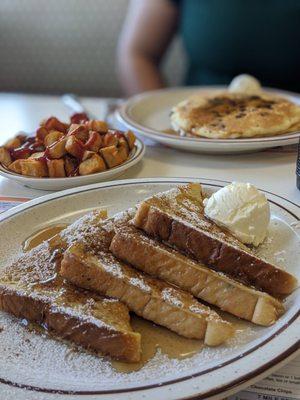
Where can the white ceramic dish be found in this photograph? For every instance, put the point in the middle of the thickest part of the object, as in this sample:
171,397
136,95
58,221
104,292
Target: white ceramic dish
48,367
64,183
148,114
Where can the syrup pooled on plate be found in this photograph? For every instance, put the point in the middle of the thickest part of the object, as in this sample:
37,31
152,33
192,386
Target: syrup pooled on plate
155,337
40,236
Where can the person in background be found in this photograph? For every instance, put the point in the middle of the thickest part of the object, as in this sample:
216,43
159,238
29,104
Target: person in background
222,39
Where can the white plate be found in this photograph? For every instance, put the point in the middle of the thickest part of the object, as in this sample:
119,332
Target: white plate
148,114
64,183
46,366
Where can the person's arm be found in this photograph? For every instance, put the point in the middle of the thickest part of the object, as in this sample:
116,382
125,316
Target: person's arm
147,32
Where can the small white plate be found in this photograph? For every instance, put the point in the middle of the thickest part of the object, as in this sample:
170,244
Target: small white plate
148,114
64,183
51,370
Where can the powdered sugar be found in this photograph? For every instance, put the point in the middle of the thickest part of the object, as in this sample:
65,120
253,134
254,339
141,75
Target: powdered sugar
199,310
27,360
141,284
111,266
84,319
169,295
84,230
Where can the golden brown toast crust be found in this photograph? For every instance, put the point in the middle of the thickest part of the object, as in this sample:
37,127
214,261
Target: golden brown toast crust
179,221
154,258
83,332
88,263
149,298
30,288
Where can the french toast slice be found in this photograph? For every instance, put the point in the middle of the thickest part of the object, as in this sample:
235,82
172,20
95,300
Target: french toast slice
31,288
177,218
149,298
132,246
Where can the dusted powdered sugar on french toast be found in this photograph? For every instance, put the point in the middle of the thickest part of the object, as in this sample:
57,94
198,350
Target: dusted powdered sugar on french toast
152,260
177,218
158,260
149,298
31,288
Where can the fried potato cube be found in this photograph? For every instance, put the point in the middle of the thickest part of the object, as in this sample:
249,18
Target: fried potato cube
74,147
16,167
123,153
97,125
94,141
123,144
13,143
113,155
32,167
55,124
5,157
56,168
87,154
41,133
130,137
79,131
109,139
91,165
57,149
71,166
39,154
52,137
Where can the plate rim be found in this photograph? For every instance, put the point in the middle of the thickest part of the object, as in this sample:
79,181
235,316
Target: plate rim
137,155
258,372
122,114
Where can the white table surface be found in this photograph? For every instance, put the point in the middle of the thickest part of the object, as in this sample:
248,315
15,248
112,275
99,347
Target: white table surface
271,170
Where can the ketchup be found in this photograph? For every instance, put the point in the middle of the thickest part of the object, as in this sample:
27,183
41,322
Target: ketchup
87,139
28,141
36,147
29,147
93,140
20,152
79,118
116,133
75,172
78,148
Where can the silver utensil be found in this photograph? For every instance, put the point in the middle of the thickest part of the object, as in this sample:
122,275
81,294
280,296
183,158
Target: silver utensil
111,105
74,104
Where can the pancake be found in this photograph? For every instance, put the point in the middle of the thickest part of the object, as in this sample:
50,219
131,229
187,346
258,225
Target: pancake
235,115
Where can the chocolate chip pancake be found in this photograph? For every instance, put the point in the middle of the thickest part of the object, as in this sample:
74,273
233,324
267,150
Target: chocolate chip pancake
235,115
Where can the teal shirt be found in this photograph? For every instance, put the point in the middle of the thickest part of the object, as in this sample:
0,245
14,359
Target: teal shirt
224,38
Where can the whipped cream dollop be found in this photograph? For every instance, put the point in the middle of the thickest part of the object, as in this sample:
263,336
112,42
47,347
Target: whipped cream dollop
245,84
241,209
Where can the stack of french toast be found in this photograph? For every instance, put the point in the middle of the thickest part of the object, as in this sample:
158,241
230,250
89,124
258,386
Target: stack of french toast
163,260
